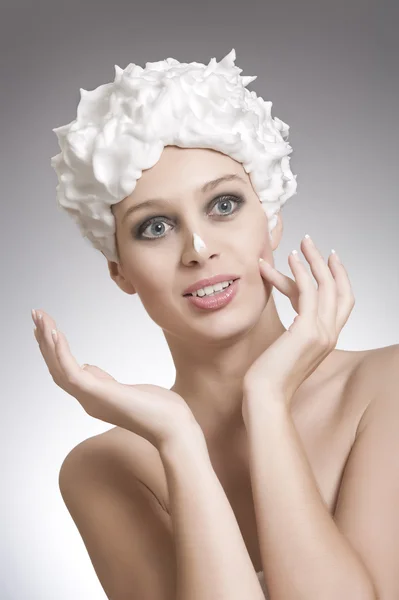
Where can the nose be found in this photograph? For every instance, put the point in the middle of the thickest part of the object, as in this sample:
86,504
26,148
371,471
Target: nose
197,251
198,243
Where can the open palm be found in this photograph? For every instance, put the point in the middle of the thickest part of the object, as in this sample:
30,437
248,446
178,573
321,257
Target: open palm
151,411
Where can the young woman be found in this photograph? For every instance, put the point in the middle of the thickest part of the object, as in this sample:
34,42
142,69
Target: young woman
269,469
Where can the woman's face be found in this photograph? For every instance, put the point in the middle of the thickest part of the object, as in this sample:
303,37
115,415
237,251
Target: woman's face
155,242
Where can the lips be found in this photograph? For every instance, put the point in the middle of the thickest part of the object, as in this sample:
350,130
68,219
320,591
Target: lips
209,281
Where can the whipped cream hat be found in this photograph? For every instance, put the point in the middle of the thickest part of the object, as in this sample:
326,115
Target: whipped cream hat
122,128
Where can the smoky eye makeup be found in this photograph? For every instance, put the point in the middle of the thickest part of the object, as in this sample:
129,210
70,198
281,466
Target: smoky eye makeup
236,199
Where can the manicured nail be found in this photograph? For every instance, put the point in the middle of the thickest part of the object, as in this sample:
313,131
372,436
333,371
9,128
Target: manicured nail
336,255
261,260
309,239
295,254
34,316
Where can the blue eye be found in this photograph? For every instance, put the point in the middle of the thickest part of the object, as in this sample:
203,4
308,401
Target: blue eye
222,200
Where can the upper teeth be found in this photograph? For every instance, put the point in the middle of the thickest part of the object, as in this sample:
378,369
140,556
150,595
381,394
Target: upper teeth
210,289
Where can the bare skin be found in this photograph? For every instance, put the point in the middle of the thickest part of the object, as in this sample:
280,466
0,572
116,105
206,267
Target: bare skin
327,428
213,350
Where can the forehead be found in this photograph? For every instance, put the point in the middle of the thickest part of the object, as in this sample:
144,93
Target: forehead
187,168
182,171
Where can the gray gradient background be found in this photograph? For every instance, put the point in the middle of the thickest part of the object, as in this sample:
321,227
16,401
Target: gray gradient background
330,70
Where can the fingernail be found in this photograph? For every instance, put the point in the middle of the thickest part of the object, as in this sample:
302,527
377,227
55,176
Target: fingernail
295,254
261,260
307,236
34,316
336,255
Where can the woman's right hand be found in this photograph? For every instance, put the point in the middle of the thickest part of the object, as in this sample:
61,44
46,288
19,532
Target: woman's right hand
153,412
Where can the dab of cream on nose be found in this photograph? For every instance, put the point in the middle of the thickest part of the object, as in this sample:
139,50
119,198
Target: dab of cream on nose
198,243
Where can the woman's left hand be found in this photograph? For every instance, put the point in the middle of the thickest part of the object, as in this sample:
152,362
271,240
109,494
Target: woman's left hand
322,312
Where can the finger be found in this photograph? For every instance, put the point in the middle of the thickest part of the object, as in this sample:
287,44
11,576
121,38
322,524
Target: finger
345,296
46,343
327,290
284,284
68,365
100,373
99,396
307,299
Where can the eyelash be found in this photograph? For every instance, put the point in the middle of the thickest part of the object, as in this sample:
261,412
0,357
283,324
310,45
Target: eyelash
141,228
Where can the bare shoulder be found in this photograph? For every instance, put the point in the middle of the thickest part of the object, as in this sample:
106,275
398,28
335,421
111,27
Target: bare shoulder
375,366
350,387
119,457
127,534
376,376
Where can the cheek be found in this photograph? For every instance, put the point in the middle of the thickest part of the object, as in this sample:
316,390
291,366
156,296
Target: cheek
151,281
262,237
256,238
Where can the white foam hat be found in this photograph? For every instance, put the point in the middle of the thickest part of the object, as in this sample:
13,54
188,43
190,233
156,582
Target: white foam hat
122,127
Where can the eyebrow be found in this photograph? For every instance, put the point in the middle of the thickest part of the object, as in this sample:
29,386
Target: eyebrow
210,185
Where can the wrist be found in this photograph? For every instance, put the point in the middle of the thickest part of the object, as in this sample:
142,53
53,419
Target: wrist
266,402
186,440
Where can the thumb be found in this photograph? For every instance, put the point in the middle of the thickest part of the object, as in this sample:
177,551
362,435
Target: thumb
97,371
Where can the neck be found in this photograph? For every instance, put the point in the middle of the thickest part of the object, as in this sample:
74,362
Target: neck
209,374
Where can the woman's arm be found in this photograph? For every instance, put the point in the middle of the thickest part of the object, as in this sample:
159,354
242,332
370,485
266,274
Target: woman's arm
211,556
304,554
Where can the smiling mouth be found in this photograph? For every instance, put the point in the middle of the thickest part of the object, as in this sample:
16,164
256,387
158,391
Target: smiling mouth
216,292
